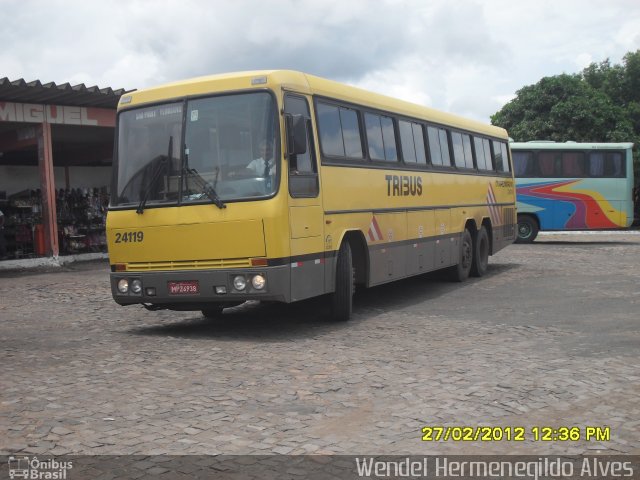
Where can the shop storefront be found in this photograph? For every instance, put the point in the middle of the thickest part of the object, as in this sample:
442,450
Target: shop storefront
56,148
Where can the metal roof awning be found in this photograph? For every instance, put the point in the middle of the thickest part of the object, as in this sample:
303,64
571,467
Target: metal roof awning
21,91
24,106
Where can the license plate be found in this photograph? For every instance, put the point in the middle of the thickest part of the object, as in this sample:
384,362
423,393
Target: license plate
188,287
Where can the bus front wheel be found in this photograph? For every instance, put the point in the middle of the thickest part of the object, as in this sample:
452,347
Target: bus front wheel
480,253
527,229
212,312
342,297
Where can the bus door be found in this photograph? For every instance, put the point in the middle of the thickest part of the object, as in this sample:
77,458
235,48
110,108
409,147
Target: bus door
306,216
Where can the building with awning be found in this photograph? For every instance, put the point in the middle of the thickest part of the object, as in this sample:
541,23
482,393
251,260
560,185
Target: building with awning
56,149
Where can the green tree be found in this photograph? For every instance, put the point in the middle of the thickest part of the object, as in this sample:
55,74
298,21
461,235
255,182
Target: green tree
561,108
621,83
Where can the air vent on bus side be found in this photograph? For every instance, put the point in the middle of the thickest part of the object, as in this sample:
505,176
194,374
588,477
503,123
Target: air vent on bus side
509,227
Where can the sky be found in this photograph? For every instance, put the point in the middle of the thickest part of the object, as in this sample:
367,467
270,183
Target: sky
467,57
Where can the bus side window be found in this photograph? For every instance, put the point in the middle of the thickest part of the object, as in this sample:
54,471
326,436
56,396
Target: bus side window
439,146
444,147
500,156
339,131
351,133
573,164
434,146
483,153
523,164
547,164
412,142
487,154
613,165
406,142
605,164
596,164
462,150
498,160
330,131
458,149
380,137
468,155
505,157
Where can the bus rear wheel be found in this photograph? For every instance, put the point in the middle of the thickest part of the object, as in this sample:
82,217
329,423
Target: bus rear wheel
527,229
342,297
480,253
460,272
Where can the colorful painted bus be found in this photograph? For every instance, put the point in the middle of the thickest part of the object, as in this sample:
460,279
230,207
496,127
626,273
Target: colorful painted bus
572,186
281,186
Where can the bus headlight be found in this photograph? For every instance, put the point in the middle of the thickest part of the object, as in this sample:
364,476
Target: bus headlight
123,285
136,286
258,282
239,283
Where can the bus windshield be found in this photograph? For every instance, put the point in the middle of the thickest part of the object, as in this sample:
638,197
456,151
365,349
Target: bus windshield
228,152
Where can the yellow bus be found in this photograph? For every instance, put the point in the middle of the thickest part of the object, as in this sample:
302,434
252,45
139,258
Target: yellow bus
282,186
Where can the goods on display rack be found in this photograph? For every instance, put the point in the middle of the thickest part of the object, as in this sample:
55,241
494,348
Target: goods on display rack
22,212
81,222
81,219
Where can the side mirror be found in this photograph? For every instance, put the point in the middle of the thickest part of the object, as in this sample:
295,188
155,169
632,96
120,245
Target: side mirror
296,134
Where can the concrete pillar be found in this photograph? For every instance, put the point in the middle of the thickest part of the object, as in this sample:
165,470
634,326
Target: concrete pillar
48,188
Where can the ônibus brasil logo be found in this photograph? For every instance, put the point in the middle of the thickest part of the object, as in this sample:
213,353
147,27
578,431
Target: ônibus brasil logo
32,468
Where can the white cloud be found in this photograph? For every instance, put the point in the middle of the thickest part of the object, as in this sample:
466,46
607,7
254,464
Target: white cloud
628,36
465,57
583,60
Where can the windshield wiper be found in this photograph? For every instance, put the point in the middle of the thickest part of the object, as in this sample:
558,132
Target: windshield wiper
205,186
154,177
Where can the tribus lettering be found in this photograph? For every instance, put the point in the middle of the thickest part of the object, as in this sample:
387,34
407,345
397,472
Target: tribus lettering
403,185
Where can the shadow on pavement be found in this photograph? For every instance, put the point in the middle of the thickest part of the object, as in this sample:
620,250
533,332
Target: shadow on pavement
585,242
273,322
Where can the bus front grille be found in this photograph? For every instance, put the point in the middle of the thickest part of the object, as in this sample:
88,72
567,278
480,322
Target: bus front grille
189,265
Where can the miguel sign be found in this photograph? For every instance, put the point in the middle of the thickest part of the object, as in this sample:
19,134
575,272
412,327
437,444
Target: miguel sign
57,114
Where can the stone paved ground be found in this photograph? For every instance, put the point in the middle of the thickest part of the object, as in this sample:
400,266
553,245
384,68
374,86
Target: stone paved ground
550,337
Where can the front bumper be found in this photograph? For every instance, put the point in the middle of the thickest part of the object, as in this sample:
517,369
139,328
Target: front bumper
156,292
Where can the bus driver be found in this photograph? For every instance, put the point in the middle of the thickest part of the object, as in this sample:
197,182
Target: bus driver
264,164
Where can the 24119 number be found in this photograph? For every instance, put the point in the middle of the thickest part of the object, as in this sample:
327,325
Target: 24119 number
129,237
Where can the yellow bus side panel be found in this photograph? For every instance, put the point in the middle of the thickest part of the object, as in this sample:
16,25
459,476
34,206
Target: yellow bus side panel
421,224
467,196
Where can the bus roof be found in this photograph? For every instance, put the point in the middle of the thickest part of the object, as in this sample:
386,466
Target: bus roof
551,145
303,83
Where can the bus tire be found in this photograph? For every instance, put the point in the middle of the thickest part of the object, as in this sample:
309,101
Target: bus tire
460,272
342,297
527,229
215,311
212,312
480,253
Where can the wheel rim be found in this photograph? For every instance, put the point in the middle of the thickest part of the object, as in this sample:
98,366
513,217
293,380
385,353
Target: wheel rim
524,230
